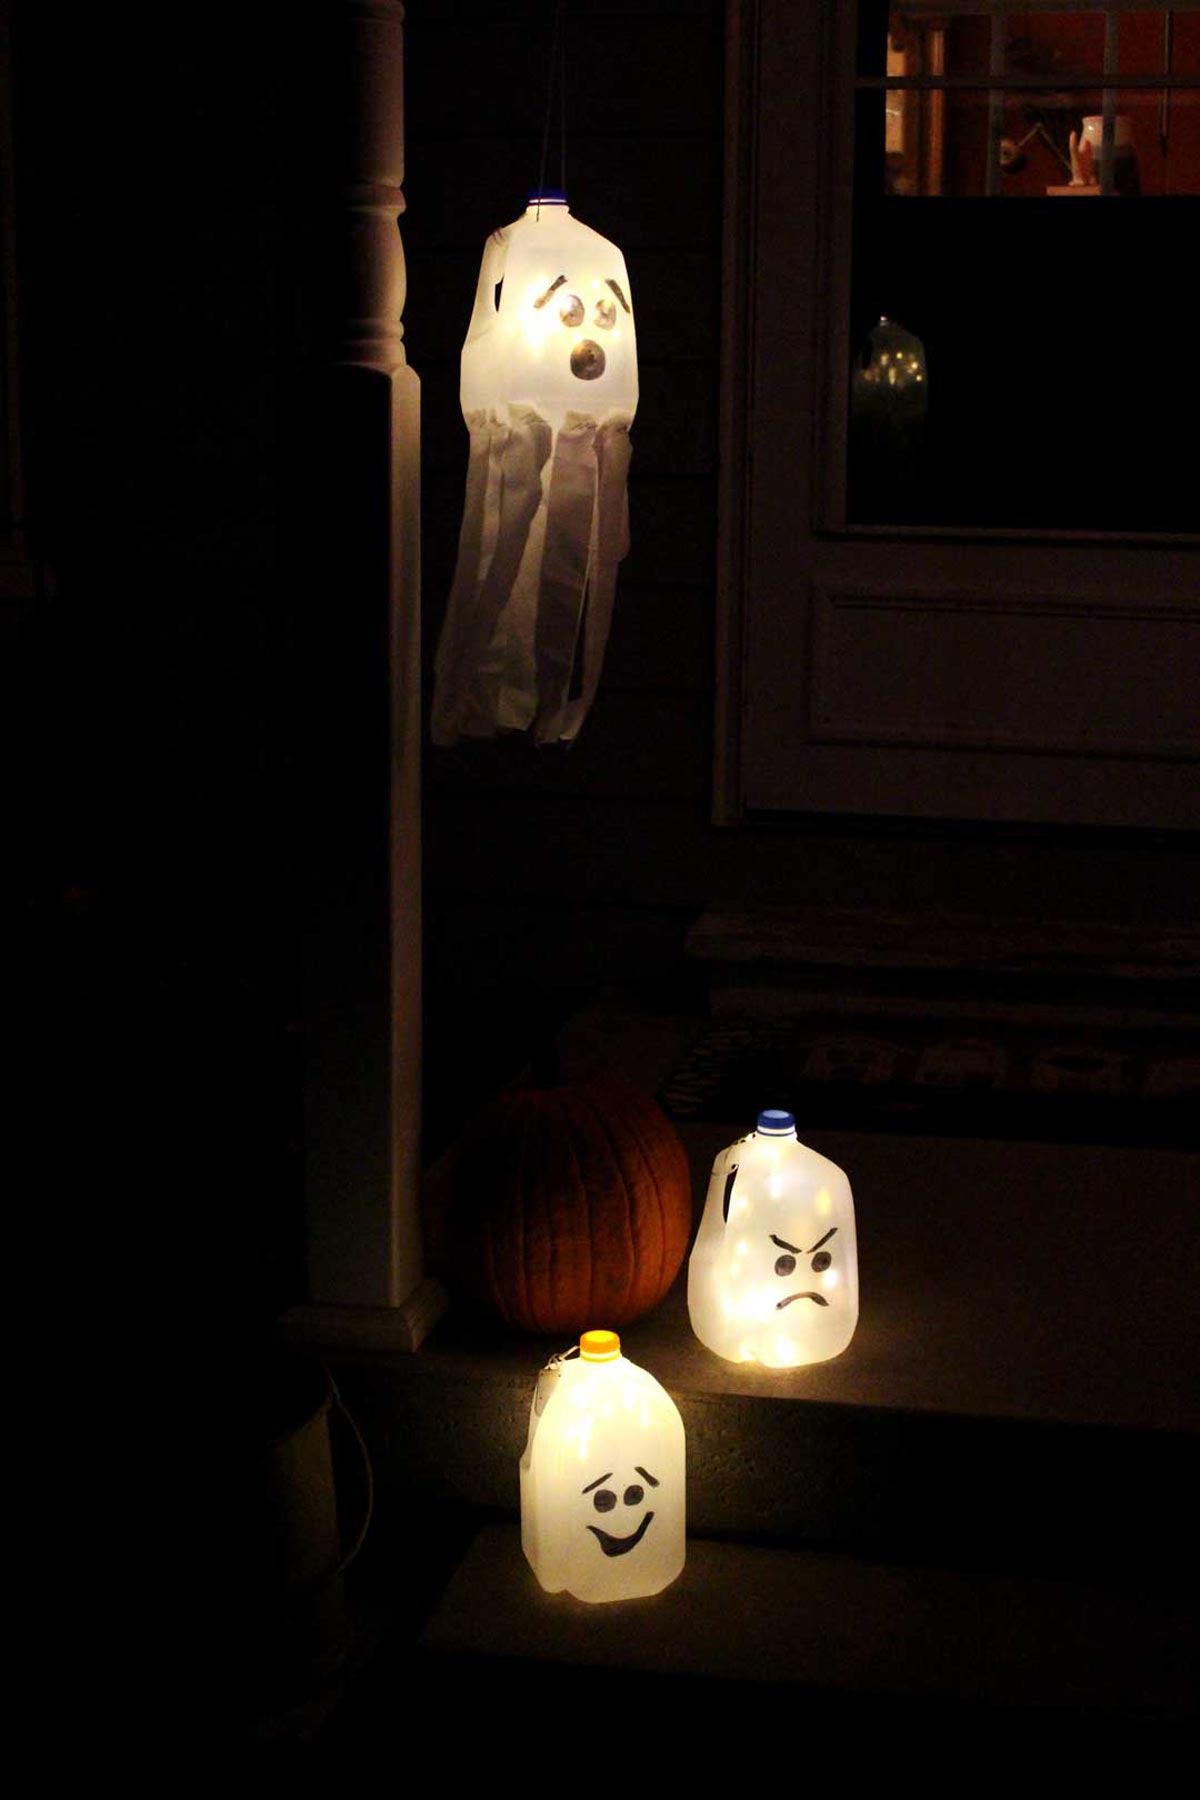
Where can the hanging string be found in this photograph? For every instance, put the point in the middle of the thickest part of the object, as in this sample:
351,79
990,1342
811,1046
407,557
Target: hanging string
557,60
562,101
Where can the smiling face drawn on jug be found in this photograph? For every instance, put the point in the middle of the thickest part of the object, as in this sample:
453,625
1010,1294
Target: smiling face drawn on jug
605,1502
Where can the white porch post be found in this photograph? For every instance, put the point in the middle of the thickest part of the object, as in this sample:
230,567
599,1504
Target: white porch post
362,824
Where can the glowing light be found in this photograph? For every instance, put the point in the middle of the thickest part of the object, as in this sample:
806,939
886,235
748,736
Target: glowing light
530,360
611,1422
780,1287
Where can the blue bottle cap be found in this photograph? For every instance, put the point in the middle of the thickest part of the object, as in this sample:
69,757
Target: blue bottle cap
547,197
774,1120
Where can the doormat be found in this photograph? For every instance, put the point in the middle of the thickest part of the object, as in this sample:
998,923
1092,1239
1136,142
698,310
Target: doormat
990,1081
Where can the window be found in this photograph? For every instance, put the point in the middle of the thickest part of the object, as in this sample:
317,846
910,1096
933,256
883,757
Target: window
1020,376
959,560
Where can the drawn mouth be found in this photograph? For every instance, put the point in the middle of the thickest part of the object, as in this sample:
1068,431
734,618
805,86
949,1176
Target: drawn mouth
614,1546
819,1298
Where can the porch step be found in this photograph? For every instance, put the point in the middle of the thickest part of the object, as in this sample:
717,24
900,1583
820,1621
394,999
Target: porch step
986,1504
825,1628
1021,1394
771,960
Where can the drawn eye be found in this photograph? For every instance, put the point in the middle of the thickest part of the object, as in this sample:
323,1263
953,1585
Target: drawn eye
570,309
784,1265
633,1494
604,1500
605,314
821,1261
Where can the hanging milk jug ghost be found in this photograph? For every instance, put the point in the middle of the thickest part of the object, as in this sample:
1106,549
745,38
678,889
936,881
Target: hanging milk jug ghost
773,1275
549,389
602,1477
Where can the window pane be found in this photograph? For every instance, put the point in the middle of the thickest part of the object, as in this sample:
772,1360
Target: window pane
1181,164
1157,142
1059,385
1060,46
1015,140
1067,45
940,142
1158,43
968,45
1026,367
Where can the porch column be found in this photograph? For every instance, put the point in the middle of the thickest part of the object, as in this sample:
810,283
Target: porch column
360,545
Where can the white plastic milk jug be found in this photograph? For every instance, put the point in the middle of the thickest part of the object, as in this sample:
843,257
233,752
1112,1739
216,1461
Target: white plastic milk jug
773,1275
602,1477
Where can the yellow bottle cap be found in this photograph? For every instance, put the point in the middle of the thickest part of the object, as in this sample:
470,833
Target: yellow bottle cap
599,1346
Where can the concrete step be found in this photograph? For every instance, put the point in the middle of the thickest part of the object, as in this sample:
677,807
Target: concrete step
771,1630
947,952
1021,1393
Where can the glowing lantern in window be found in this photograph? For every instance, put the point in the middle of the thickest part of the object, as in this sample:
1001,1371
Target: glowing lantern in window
889,403
549,389
889,387
602,1477
773,1276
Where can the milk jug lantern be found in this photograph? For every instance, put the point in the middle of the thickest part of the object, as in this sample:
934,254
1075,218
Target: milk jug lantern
773,1275
549,389
602,1477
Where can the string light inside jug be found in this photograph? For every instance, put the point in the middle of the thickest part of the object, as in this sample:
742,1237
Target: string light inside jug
773,1275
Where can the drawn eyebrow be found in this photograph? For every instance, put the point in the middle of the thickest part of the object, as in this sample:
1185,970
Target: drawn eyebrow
596,1483
830,1233
616,288
541,301
645,1474
784,1245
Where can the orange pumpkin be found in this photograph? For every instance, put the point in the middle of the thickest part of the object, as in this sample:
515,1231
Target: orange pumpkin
568,1205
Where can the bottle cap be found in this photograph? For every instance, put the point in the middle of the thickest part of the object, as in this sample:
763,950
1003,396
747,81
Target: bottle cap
775,1122
599,1346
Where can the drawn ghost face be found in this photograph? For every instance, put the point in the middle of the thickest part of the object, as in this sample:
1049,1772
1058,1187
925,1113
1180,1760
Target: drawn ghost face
773,1276
584,328
602,1485
553,322
608,1502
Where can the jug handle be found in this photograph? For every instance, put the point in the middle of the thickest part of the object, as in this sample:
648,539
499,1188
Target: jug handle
491,271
